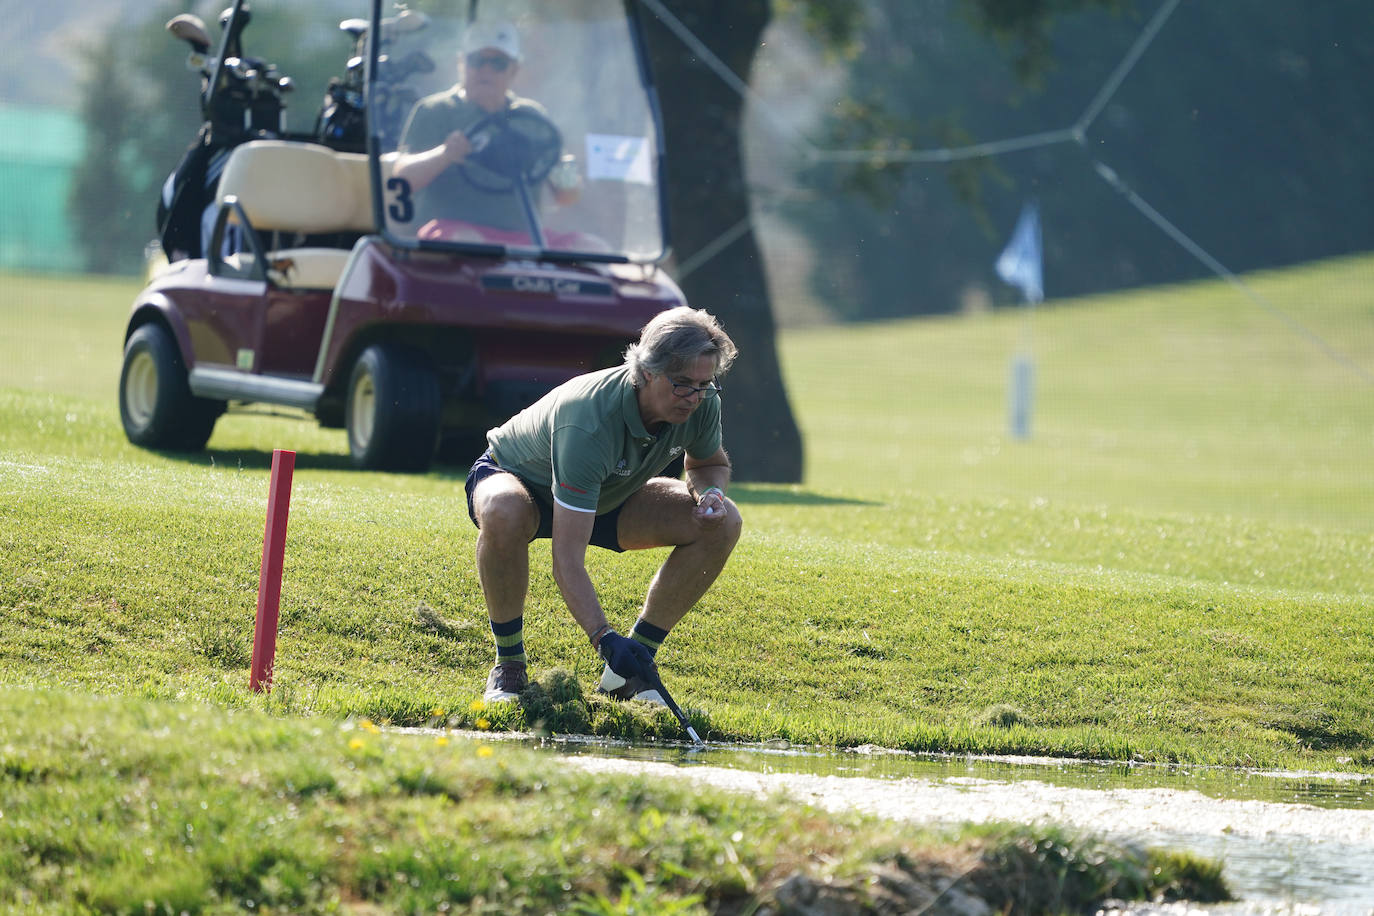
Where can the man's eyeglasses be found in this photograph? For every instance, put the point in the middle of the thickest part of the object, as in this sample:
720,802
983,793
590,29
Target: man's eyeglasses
497,62
686,391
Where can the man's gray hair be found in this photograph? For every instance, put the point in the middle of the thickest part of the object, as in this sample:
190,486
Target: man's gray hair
674,338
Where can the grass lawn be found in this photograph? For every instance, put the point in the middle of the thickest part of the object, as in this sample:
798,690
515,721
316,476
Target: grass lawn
1176,566
115,805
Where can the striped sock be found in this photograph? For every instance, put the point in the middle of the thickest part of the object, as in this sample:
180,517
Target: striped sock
510,640
648,634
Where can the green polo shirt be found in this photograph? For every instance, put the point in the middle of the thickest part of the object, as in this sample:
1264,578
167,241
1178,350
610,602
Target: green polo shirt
450,195
584,445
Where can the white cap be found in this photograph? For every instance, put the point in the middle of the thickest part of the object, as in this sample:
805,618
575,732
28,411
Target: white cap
499,35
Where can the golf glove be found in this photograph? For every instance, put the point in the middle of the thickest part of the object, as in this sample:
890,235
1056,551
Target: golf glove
627,657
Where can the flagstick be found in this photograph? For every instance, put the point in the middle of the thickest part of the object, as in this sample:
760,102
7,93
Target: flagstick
1022,383
1021,265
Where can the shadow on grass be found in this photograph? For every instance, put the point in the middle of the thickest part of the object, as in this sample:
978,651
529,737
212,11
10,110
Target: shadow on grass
451,467
257,459
772,495
251,459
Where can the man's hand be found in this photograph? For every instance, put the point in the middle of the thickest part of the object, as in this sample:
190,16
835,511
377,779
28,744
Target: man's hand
457,146
707,479
710,509
420,169
627,657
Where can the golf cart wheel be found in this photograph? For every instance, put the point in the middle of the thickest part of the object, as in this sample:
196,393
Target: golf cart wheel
393,409
155,405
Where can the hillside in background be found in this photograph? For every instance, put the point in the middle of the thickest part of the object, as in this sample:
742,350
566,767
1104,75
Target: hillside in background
45,54
42,63
1242,125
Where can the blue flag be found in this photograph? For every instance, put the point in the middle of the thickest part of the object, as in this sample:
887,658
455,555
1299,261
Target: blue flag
1020,262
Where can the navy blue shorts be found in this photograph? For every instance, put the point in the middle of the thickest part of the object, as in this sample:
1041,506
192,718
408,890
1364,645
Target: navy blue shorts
604,529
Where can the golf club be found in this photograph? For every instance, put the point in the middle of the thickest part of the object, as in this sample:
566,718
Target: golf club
190,29
672,705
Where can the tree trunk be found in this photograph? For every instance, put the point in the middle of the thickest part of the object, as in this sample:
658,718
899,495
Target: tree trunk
707,197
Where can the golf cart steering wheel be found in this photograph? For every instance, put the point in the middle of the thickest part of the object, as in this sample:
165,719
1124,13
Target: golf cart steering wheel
517,145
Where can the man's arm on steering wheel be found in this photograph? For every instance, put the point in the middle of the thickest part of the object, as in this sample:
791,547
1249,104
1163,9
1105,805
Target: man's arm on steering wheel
420,169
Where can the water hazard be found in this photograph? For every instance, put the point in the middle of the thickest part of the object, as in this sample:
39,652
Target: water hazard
1291,842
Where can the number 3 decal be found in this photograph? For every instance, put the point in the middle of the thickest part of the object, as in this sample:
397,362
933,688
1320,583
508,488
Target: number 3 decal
402,209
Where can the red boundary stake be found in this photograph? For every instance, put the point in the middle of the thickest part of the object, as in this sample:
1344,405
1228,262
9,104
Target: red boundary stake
269,580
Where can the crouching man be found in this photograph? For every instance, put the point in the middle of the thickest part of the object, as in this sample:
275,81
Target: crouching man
579,466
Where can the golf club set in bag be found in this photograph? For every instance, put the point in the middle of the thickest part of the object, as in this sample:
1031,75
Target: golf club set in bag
244,98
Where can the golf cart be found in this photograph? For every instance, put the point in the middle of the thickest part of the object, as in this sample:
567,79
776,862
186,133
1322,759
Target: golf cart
318,270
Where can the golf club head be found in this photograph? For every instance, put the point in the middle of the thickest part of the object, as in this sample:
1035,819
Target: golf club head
190,28
354,27
405,21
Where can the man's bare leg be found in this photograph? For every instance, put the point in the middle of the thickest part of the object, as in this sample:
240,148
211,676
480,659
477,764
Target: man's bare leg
661,515
507,519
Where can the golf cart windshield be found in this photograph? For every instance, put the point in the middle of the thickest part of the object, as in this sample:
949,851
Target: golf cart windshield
524,124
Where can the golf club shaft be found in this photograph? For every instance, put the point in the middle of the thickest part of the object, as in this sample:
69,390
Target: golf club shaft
677,710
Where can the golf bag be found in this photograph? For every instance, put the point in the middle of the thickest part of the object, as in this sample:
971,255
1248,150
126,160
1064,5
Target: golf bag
186,208
242,98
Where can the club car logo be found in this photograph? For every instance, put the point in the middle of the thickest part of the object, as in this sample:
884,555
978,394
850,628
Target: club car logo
546,286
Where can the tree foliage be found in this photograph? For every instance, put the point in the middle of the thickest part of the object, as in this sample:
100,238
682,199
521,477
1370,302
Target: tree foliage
709,199
1245,124
103,192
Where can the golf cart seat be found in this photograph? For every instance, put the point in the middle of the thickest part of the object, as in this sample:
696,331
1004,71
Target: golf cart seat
298,188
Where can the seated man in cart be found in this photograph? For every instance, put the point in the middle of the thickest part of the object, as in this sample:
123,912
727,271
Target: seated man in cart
465,150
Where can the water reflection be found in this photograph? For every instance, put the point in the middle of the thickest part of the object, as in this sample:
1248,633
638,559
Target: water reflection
1292,843
1322,790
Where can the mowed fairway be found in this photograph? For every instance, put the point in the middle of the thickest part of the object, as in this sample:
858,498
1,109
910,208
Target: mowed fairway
1176,566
